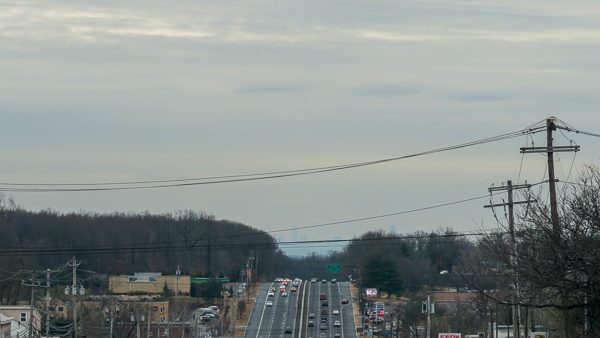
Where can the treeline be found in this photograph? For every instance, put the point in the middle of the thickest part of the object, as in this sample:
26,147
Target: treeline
392,262
120,243
397,263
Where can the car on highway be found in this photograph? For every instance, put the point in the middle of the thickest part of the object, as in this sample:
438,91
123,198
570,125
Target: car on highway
278,280
284,294
333,281
322,335
269,303
311,323
323,326
324,312
344,301
337,335
271,294
323,296
288,330
313,280
337,323
323,318
311,316
293,290
324,303
335,312
377,319
324,281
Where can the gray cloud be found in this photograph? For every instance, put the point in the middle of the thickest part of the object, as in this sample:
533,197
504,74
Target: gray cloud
385,90
272,88
148,88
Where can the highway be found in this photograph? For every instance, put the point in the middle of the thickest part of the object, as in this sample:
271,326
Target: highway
297,309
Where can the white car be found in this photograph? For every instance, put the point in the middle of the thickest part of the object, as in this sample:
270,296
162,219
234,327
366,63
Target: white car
284,294
337,323
336,312
269,303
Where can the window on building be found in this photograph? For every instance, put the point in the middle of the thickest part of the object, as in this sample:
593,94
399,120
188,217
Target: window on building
23,316
162,309
162,319
61,309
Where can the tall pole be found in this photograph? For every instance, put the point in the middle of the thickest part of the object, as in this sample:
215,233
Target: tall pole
74,291
550,127
428,316
47,302
139,334
148,328
513,259
516,317
31,305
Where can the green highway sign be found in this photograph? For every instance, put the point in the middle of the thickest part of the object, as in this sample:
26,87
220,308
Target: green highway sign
334,268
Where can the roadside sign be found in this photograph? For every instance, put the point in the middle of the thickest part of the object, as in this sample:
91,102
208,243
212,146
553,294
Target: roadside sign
334,268
449,335
370,292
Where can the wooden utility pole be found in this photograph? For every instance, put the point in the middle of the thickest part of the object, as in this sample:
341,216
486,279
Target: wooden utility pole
550,149
74,291
516,312
47,302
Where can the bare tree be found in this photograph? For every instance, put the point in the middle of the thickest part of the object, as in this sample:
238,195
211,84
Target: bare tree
550,269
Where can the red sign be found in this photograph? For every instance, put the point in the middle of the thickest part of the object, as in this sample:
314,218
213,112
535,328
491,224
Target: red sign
449,335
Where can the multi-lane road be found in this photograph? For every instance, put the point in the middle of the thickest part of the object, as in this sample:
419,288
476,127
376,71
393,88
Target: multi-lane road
294,313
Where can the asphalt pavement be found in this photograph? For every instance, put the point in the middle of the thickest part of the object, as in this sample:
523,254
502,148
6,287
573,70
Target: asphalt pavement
294,310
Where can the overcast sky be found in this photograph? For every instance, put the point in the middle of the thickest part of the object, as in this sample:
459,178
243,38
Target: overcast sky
99,91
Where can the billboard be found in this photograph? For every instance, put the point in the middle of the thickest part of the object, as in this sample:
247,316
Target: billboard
449,335
371,292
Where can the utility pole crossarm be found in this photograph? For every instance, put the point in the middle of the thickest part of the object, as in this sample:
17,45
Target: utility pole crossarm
554,149
503,204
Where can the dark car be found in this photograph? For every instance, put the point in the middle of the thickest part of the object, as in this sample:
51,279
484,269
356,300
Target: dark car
323,318
324,303
311,316
311,323
323,326
288,330
344,301
324,312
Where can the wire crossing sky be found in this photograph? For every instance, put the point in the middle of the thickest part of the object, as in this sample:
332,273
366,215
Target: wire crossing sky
139,95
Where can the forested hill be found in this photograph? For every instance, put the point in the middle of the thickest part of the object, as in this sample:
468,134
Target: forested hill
122,243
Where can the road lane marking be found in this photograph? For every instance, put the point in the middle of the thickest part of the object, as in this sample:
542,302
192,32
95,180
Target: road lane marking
263,311
341,309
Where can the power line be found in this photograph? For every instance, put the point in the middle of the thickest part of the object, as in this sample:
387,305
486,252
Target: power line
319,225
118,249
154,184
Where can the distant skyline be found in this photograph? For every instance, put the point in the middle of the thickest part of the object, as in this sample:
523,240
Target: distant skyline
98,91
